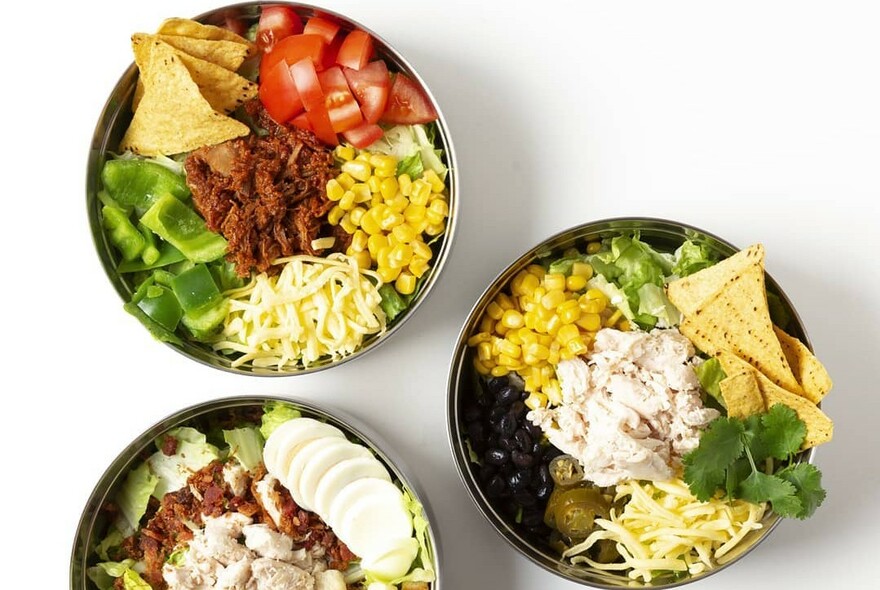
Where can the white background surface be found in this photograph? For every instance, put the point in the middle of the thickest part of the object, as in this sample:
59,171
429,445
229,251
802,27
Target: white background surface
758,121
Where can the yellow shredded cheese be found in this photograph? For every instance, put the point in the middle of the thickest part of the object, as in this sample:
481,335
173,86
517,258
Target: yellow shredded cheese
315,308
663,527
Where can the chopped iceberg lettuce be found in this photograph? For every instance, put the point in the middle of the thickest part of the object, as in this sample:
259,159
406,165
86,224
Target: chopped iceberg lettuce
275,414
193,452
413,146
246,445
133,497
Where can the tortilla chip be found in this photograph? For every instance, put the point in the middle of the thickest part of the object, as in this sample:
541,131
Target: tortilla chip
226,54
819,426
189,28
692,292
810,373
737,319
173,116
224,90
741,394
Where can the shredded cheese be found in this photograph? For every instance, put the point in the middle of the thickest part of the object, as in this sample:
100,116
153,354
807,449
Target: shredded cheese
663,527
315,308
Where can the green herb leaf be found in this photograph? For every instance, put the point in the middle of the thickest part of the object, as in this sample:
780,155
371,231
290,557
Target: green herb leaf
760,487
720,445
784,432
807,480
702,480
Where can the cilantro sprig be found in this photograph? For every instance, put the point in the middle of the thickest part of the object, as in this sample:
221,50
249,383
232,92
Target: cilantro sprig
731,450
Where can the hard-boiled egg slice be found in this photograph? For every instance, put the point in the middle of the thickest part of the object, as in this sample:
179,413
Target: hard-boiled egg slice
379,491
320,461
301,458
376,521
342,474
394,563
286,439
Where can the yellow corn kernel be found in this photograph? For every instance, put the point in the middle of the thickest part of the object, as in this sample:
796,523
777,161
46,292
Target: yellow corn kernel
434,229
505,301
405,283
513,336
575,282
554,281
553,298
423,250
376,242
553,392
414,213
569,311
499,371
359,240
624,325
508,348
535,400
481,368
500,330
612,319
363,157
494,311
553,325
344,152
375,184
570,253
567,333
440,207
335,215
346,224
404,234
545,339
382,161
362,193
398,203
487,324
370,224
592,305
420,192
591,322
537,270
594,247
529,284
358,169
537,350
388,188
531,319
527,336
400,255
516,283
347,201
506,361
388,219
334,190
437,185
404,183
596,294
434,218
577,346
484,351
388,274
478,338
363,259
418,266
582,269
345,180
356,215
512,319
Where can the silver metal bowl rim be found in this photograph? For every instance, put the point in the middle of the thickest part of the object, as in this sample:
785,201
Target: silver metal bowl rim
350,425
438,262
455,437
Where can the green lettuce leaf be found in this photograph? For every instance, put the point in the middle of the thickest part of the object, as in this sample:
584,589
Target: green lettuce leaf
405,141
654,302
112,541
132,498
192,454
710,375
133,581
246,445
104,574
691,258
411,165
275,414
393,303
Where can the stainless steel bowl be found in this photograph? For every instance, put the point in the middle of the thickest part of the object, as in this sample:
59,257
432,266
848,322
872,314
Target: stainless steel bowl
93,524
463,379
114,120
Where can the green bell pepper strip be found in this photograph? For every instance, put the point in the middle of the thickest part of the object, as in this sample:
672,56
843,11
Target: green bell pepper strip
151,250
205,323
138,183
196,290
158,331
162,307
168,255
182,227
122,233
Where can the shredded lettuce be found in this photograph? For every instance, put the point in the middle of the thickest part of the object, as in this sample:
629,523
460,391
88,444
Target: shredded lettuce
133,581
710,375
246,445
413,146
275,414
133,497
192,454
112,541
103,574
691,257
654,302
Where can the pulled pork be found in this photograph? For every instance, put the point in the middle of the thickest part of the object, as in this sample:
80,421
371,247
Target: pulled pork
266,194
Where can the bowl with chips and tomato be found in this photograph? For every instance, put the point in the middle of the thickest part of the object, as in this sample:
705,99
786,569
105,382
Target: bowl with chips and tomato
271,187
634,402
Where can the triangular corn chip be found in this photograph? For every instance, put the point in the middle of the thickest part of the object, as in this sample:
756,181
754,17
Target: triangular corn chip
690,293
810,373
741,394
189,28
226,54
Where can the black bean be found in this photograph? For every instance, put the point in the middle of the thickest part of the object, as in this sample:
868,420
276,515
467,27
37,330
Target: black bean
496,456
518,409
544,491
507,443
510,507
477,433
525,499
487,472
495,487
551,453
522,438
519,480
507,425
543,473
496,414
534,430
507,395
472,412
522,460
495,384
532,518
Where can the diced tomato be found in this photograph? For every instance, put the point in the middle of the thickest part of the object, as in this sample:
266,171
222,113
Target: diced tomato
408,104
331,51
302,121
276,23
323,27
370,85
363,135
309,87
279,95
291,50
356,50
341,106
